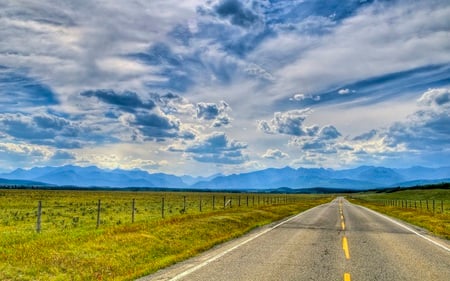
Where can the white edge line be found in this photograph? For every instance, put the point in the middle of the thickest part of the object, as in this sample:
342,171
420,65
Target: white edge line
408,228
197,267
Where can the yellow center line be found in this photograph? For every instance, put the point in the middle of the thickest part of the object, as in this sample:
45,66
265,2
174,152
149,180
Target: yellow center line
343,225
345,247
347,277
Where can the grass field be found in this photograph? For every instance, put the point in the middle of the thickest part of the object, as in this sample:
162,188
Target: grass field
427,208
70,246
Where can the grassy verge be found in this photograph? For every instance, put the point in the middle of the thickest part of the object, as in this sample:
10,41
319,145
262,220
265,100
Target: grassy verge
410,206
128,251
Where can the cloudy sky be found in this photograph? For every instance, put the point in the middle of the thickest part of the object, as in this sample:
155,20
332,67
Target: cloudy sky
224,86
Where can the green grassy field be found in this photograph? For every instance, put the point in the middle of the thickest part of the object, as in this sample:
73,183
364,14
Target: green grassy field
70,246
428,208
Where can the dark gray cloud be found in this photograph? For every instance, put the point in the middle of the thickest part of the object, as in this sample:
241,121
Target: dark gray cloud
126,101
427,129
18,90
366,136
155,126
236,12
215,112
217,148
207,111
329,133
47,129
424,131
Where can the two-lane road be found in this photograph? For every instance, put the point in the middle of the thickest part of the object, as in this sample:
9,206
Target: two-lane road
334,241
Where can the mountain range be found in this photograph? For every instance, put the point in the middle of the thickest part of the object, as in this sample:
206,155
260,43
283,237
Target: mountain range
360,178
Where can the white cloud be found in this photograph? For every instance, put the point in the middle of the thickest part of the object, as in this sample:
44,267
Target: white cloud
343,91
436,97
382,38
274,154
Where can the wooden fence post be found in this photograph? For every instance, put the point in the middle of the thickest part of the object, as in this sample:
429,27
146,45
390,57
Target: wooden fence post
184,204
213,202
200,204
224,201
38,221
442,206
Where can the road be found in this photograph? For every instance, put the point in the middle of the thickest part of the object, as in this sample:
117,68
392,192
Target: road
334,241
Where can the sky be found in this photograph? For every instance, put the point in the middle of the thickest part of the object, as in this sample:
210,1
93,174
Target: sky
224,86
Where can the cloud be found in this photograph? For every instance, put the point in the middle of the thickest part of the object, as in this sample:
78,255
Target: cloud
302,97
236,12
427,129
274,154
63,155
127,101
49,129
438,97
288,123
215,148
216,112
344,91
323,142
366,136
328,133
207,111
21,155
21,91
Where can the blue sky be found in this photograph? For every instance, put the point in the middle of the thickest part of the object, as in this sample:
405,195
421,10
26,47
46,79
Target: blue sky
224,86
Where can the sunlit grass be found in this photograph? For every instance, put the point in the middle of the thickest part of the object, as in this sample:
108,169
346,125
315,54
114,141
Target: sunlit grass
414,208
124,251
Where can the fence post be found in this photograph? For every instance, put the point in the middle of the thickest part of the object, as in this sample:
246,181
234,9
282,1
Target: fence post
442,206
39,212
98,212
184,204
224,201
434,209
427,205
162,207
132,211
247,200
239,201
213,202
200,204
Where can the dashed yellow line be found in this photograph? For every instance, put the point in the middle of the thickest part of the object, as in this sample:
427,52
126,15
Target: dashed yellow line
345,247
343,225
347,277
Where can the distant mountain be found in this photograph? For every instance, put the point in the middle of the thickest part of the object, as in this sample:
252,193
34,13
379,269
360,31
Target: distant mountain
21,182
360,178
95,177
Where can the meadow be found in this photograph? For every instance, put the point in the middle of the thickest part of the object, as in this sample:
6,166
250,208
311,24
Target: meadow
427,207
122,235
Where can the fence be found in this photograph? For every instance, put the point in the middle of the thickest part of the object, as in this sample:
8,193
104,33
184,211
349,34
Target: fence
70,212
434,206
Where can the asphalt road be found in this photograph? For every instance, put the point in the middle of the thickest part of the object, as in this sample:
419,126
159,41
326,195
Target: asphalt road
334,241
